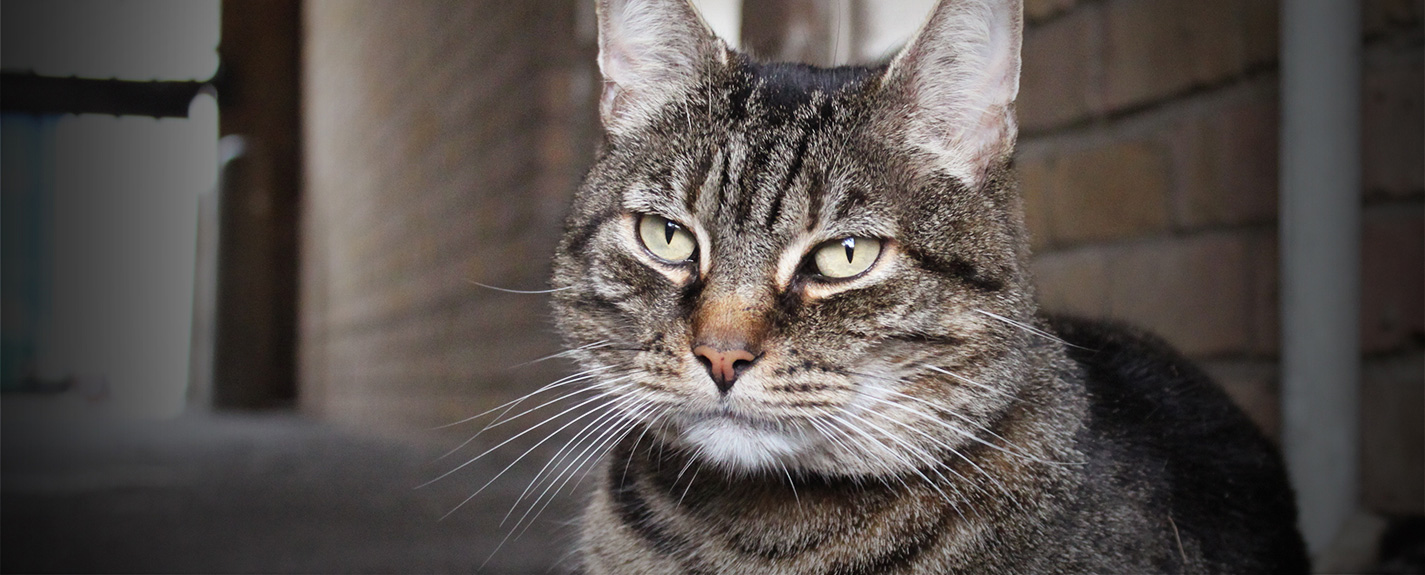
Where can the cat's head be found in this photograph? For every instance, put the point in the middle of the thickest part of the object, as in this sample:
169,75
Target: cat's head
774,265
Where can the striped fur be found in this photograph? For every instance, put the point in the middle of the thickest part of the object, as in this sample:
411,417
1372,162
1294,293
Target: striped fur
918,418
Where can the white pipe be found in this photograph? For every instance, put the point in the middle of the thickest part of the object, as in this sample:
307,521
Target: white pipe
1320,259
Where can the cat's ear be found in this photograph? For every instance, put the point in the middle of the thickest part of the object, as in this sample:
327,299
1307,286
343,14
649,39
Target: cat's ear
651,52
957,80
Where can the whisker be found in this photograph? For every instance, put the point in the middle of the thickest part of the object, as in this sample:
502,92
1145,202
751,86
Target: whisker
833,418
593,456
603,394
563,453
790,483
546,387
1031,329
1018,450
690,479
969,381
518,459
520,291
565,353
920,453
945,446
939,409
498,421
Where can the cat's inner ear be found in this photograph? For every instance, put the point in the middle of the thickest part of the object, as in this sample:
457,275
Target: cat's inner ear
957,79
651,52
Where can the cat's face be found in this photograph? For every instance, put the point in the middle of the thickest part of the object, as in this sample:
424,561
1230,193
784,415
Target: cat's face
772,267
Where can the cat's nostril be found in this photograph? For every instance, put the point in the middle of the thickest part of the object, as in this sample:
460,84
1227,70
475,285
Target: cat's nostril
724,366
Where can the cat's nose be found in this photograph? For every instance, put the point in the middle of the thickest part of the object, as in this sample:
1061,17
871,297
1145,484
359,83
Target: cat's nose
724,365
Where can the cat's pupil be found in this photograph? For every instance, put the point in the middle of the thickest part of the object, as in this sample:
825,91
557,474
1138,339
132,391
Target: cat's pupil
669,229
850,244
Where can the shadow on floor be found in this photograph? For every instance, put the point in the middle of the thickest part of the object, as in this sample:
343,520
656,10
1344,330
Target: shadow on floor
256,493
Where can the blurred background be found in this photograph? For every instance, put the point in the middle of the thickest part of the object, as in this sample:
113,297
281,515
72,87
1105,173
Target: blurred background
241,240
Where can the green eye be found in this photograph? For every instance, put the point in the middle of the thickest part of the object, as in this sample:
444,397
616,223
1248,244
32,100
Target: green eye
846,257
665,239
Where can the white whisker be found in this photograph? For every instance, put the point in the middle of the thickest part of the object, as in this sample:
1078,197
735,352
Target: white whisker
1029,328
565,353
602,395
520,291
546,387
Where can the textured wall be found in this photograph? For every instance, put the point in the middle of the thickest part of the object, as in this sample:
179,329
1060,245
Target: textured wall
1148,157
443,140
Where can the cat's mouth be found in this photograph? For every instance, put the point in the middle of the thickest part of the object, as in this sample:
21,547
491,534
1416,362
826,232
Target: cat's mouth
742,441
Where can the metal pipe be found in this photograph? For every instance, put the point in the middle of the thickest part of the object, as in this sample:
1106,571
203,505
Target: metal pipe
1320,260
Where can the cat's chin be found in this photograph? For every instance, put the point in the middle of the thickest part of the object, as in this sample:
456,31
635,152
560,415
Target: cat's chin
742,445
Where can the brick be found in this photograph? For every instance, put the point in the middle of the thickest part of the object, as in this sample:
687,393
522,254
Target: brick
1393,435
1393,111
1193,291
1034,188
1156,48
1255,386
1392,277
1073,282
1040,10
1226,158
1264,289
1115,191
1057,75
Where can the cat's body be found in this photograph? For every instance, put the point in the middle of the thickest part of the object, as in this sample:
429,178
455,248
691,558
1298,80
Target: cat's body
805,294
1172,480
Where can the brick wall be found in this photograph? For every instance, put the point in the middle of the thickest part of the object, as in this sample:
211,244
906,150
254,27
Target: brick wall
443,141
1148,158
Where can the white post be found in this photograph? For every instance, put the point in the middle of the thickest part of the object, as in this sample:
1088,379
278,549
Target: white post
1320,259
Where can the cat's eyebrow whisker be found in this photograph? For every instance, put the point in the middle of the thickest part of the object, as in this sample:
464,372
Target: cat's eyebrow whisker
520,291
601,395
1031,329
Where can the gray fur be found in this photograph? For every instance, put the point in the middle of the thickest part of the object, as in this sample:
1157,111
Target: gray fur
918,419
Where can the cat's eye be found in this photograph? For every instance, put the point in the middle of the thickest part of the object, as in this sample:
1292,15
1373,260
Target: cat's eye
666,239
846,257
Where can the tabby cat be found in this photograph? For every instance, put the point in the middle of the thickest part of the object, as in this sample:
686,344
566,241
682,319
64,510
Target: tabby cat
805,295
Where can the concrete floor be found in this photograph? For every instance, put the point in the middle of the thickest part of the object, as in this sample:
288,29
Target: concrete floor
255,493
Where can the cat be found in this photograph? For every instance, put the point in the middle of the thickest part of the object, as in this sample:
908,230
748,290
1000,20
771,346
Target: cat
804,296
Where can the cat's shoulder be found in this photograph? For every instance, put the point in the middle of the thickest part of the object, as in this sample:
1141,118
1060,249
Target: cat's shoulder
1134,375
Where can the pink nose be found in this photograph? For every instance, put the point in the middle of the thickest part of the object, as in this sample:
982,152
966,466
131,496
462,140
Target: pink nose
724,366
